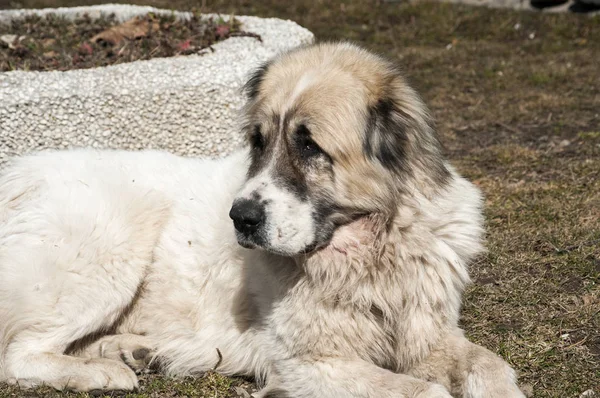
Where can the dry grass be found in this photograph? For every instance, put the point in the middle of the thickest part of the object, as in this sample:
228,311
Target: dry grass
517,100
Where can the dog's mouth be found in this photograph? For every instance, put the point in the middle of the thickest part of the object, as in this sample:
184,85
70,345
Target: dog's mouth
249,241
259,243
350,231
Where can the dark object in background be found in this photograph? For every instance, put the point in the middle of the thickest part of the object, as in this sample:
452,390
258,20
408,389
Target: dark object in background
547,3
585,6
579,6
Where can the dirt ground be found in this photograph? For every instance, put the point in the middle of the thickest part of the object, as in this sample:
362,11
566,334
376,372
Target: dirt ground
55,43
516,96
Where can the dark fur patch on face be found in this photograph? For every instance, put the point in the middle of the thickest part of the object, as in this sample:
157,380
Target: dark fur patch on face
287,172
290,177
325,209
261,144
386,136
252,86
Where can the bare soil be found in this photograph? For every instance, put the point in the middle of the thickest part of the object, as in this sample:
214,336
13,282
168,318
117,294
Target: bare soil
56,43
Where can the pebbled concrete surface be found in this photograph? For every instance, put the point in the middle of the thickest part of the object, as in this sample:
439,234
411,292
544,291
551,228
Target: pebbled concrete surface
187,105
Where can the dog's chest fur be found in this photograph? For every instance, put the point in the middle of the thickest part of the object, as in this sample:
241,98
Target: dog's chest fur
308,323
303,324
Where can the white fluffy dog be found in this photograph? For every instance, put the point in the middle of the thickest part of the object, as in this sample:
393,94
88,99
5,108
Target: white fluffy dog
341,274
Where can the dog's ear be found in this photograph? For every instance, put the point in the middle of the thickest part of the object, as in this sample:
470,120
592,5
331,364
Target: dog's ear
386,136
252,86
398,128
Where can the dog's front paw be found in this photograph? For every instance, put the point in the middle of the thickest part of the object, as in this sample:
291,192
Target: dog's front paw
135,351
140,359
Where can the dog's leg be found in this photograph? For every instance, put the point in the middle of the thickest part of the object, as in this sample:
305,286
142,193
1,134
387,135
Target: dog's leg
135,350
35,353
69,277
469,370
339,378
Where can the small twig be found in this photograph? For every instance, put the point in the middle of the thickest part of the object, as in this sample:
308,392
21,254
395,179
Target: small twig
574,247
563,331
154,51
122,50
593,316
580,342
477,103
509,128
219,361
246,34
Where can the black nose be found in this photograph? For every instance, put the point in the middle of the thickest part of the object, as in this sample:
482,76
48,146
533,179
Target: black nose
247,215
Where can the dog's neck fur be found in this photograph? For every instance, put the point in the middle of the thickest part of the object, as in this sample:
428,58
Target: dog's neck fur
418,262
418,234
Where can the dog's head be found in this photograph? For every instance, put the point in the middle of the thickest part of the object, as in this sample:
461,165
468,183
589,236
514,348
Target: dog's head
336,134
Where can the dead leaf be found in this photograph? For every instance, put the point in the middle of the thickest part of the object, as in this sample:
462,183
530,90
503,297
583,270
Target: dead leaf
9,40
132,29
48,42
50,54
588,299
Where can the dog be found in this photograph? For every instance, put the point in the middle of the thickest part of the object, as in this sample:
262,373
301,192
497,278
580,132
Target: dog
340,273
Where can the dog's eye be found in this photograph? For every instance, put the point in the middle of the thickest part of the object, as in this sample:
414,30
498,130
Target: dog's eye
308,148
256,139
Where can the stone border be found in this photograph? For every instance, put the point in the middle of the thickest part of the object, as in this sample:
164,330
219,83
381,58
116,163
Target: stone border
187,105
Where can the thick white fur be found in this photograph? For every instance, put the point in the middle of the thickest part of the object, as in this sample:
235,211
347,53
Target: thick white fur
129,244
